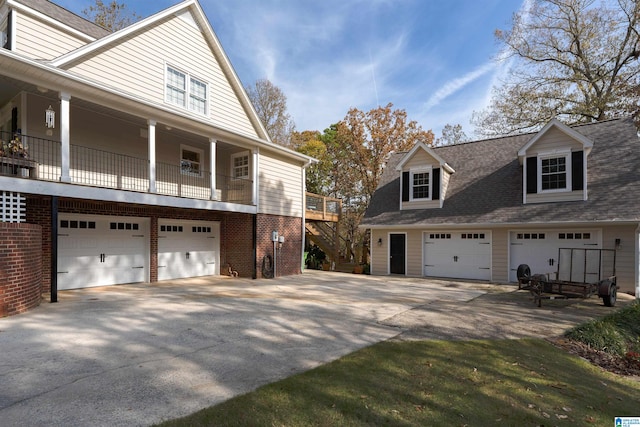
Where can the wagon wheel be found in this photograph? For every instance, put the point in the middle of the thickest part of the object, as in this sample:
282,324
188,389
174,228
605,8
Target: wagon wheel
523,274
609,293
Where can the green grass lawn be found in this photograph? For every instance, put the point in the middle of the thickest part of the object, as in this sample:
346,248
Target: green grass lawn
436,383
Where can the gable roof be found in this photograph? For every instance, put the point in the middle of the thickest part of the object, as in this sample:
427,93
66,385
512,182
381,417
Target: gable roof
62,15
587,144
487,186
422,146
194,8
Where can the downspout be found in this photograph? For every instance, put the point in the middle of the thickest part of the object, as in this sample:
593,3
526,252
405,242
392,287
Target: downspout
54,249
304,213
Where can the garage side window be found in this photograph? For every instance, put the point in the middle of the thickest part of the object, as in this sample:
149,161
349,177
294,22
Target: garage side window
420,185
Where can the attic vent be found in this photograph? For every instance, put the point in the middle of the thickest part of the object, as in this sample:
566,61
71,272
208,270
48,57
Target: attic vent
13,207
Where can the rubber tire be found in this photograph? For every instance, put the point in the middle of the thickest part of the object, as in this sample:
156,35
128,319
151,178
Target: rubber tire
610,299
523,272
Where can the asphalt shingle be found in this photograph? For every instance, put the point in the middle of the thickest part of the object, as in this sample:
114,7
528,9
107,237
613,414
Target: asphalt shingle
486,187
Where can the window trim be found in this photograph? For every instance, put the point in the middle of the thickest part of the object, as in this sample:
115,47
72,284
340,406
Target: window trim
556,155
200,152
187,90
234,156
412,172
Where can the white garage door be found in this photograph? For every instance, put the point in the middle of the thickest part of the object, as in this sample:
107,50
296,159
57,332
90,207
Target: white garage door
188,248
458,254
101,251
539,248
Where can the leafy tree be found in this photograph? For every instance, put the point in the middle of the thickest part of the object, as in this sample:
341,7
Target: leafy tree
363,142
112,16
372,136
572,59
309,143
452,134
271,105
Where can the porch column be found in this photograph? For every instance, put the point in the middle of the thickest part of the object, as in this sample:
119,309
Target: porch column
212,167
65,148
256,167
152,155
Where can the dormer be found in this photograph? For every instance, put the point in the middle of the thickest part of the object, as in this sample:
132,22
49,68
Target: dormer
424,178
554,165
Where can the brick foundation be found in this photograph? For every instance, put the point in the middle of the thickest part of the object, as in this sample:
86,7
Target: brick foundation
20,267
288,259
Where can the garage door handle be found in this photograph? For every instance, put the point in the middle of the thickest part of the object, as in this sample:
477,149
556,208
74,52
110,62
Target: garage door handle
137,267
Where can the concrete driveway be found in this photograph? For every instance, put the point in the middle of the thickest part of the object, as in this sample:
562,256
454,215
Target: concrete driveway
140,354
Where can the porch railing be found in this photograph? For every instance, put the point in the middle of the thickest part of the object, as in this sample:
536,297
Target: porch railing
37,158
322,208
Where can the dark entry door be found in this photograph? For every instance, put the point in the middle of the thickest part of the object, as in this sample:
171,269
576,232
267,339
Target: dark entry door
397,254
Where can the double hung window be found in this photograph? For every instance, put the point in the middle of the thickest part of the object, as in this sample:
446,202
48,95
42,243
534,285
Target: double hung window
186,91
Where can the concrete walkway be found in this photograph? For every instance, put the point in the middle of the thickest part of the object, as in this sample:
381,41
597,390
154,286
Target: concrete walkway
140,354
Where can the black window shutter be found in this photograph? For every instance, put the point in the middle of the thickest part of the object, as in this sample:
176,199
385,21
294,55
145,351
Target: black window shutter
577,170
7,43
532,175
435,191
405,186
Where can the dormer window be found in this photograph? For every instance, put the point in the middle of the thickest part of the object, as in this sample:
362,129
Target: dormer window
420,188
555,173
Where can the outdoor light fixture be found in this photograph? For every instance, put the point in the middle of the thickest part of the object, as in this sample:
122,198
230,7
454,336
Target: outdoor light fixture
380,241
618,243
50,118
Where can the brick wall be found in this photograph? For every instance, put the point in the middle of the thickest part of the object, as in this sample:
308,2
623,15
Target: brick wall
288,258
236,233
20,272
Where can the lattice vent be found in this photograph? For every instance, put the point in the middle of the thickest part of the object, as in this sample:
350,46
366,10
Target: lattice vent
13,207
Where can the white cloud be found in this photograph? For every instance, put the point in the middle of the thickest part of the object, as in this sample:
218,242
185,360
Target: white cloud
455,85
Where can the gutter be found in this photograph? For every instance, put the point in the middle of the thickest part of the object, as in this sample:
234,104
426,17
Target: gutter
637,263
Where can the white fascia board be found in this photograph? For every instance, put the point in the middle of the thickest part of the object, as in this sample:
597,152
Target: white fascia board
211,36
491,226
19,6
78,53
423,146
587,144
73,89
77,191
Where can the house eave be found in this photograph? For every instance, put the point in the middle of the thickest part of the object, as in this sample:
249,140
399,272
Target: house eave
42,74
501,225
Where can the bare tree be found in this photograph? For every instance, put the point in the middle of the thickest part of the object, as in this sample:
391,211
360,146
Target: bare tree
112,16
572,59
452,134
271,105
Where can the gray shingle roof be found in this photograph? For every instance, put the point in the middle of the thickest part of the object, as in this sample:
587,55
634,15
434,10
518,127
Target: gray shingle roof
63,15
486,187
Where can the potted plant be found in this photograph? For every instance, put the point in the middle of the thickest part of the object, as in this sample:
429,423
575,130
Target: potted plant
14,148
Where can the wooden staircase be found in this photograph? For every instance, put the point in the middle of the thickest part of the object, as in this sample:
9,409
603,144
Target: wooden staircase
322,224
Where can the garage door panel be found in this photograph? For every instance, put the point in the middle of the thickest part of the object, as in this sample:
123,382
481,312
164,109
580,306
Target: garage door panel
539,249
187,248
101,251
463,255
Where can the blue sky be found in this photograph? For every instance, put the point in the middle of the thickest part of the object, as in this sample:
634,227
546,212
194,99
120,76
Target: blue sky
436,59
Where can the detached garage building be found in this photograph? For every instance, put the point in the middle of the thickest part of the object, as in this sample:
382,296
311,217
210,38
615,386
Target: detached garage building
477,210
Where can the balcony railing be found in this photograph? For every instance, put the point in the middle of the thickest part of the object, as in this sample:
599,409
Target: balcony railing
323,208
37,158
